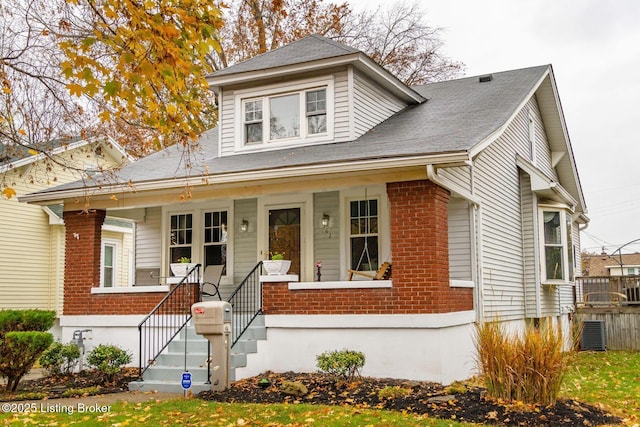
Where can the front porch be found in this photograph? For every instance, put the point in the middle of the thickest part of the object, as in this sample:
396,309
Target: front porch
402,323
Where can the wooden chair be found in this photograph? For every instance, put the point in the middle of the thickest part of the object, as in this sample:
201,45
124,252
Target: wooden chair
211,281
383,273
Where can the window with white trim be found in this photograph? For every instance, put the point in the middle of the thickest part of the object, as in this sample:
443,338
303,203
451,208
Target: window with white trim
557,247
215,238
285,111
364,242
181,237
108,264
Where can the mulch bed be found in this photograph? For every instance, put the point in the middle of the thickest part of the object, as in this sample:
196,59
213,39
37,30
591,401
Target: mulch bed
54,387
431,399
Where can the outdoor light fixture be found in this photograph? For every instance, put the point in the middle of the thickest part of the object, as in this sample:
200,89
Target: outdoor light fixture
325,221
244,225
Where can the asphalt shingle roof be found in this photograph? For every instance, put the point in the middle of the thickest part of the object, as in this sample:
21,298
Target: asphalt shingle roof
311,48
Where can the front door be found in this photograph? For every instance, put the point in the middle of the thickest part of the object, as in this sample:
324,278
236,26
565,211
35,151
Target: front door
284,235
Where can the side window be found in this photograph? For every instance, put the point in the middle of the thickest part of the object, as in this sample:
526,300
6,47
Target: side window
215,238
108,262
181,237
316,111
253,121
557,245
363,235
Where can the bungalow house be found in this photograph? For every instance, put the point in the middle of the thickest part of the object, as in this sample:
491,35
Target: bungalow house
32,237
468,188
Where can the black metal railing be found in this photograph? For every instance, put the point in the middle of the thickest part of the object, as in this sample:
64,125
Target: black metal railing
168,318
246,303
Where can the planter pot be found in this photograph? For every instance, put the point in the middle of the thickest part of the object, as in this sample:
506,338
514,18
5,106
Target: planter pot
277,267
180,269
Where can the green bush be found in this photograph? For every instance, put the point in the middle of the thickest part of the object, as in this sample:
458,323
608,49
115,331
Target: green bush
26,320
343,363
60,358
108,359
18,352
529,367
393,392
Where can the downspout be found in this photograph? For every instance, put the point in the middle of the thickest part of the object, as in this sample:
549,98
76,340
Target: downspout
476,231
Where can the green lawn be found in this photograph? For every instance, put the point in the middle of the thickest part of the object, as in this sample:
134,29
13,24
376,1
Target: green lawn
610,379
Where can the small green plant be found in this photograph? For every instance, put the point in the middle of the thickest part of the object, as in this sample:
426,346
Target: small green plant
185,260
393,392
79,392
343,363
457,387
108,359
31,395
60,359
277,256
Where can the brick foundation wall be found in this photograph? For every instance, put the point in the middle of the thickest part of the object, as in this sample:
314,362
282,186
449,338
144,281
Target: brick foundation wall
420,251
82,272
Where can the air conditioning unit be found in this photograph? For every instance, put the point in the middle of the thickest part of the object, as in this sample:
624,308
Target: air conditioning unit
593,336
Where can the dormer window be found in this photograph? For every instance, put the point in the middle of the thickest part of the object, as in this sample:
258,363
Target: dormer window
296,114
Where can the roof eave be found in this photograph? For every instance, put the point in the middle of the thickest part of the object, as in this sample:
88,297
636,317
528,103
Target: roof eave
357,59
57,196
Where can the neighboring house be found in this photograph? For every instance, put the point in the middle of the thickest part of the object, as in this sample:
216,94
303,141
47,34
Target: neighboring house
32,242
610,265
468,187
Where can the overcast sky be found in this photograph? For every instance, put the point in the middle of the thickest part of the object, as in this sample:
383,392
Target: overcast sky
594,47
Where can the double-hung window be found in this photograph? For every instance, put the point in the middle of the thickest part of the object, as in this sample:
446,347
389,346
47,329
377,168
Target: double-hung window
109,264
215,238
557,246
363,235
181,237
293,115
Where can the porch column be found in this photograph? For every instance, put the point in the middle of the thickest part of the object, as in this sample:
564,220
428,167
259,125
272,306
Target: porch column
83,238
420,248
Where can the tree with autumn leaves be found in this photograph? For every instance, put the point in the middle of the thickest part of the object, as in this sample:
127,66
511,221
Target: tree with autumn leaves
134,70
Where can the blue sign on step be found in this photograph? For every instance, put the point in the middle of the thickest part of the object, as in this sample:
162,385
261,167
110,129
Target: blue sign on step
186,380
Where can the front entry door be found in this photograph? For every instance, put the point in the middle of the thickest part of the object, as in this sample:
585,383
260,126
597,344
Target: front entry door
284,235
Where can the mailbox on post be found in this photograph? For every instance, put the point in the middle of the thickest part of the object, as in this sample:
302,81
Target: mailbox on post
213,320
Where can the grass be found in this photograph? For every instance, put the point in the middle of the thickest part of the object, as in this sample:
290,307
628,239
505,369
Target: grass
608,379
203,413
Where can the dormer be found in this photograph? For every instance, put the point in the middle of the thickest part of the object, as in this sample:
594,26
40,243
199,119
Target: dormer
313,91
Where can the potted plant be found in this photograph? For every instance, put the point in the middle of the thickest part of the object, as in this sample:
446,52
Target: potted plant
277,265
181,268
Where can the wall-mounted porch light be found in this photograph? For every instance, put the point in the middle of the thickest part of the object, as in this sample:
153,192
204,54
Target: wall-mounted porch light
325,221
244,225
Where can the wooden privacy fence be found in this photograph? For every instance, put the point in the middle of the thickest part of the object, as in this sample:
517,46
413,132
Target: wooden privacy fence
622,325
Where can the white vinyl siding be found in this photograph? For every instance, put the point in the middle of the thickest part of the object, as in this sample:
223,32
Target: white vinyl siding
226,122
459,240
245,243
341,127
372,105
530,245
327,242
148,239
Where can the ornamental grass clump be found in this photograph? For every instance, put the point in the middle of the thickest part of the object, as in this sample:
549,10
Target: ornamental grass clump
527,367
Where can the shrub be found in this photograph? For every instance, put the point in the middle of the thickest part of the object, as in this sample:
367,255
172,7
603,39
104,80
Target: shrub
22,340
18,352
80,392
108,359
343,363
26,320
60,358
529,367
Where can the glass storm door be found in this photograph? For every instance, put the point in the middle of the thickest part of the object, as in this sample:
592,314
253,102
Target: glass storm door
284,235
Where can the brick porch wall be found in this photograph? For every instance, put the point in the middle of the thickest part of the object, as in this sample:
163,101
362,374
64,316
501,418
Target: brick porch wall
420,249
82,272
